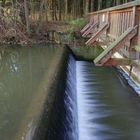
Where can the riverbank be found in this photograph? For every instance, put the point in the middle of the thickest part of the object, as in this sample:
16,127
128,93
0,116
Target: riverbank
85,53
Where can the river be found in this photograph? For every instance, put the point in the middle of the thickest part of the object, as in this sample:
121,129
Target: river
107,107
94,104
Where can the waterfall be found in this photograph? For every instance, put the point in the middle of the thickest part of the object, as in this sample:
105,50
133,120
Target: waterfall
70,101
64,118
93,105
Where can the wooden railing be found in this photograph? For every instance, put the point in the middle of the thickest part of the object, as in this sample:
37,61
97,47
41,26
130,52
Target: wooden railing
119,19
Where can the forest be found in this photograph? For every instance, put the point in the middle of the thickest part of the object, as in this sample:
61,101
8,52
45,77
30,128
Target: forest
24,19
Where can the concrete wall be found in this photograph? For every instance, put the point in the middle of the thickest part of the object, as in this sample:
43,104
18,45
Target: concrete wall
36,123
54,94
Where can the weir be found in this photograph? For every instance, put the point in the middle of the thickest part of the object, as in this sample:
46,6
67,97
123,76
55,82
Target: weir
71,100
97,104
64,125
107,107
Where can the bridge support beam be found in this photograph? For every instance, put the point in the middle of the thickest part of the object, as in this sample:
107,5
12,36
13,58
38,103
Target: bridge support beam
97,35
118,62
89,29
85,28
119,43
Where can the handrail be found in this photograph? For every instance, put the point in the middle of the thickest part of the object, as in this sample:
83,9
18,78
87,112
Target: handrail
119,7
119,18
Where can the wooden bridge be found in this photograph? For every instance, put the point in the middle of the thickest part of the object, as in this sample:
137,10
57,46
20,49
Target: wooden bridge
116,30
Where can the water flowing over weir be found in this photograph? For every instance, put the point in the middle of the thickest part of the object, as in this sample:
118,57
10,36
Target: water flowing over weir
70,101
64,118
96,105
107,109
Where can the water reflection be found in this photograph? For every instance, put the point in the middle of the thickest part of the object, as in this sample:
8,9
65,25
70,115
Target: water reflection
21,71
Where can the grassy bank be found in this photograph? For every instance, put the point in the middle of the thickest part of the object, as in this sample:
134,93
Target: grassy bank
86,52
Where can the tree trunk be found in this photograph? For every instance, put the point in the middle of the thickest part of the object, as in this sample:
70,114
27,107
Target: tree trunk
66,9
99,4
92,6
86,6
27,17
40,16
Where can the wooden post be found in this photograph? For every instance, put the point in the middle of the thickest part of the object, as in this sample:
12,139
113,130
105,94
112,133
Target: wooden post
130,72
136,19
108,21
27,17
134,16
134,41
118,62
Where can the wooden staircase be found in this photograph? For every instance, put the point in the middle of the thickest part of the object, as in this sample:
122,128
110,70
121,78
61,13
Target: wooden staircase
114,47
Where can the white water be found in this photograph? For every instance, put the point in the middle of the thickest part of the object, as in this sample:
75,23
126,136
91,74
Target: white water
70,102
85,105
97,106
90,106
106,110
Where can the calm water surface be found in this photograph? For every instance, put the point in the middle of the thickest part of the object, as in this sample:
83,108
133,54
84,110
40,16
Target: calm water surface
21,72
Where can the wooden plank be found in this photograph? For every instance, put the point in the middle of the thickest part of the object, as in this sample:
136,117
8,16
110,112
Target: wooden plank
85,28
131,21
119,43
121,19
122,11
123,23
127,21
118,62
134,16
111,24
136,19
89,29
118,22
108,21
100,31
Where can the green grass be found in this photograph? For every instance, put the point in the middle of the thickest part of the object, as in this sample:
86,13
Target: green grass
74,26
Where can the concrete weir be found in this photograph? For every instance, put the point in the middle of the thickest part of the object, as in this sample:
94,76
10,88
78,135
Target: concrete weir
63,97
37,119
